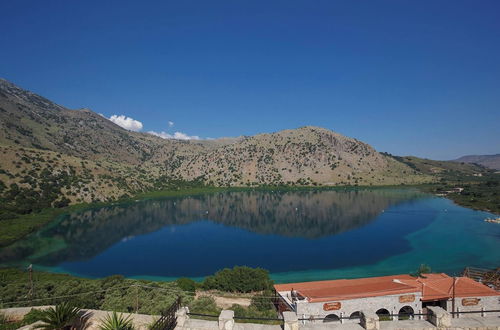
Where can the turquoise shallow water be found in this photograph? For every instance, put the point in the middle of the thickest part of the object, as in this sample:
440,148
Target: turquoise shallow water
457,238
297,236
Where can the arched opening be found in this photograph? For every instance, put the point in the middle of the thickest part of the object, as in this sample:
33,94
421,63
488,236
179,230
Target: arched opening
331,318
406,313
355,316
384,315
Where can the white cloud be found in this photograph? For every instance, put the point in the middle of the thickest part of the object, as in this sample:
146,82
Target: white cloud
176,135
170,124
126,122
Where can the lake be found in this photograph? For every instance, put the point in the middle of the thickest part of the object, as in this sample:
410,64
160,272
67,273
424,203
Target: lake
296,235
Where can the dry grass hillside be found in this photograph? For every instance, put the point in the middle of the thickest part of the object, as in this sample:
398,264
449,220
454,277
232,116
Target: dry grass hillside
52,156
303,156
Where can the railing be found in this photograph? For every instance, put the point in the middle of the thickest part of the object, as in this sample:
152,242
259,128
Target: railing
382,317
490,277
168,319
241,318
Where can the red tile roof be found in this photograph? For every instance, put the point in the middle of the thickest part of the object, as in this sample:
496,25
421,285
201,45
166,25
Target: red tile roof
432,287
464,287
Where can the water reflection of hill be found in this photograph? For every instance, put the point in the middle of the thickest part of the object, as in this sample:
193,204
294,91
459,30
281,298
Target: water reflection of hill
310,214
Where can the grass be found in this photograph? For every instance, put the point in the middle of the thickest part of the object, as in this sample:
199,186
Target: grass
14,229
480,193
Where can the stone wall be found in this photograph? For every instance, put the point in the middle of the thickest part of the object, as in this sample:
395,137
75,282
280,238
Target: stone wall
316,310
438,319
348,307
91,318
484,303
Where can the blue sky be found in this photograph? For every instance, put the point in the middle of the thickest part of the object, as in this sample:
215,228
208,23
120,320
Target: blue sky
408,77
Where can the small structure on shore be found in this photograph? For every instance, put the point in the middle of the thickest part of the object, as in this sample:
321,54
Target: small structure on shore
493,220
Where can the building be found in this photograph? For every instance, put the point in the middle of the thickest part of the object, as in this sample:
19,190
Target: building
404,295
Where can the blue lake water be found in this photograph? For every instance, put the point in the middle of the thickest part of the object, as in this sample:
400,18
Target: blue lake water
297,236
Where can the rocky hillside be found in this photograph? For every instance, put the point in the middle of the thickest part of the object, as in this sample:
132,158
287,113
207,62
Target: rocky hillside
32,121
52,156
303,156
490,161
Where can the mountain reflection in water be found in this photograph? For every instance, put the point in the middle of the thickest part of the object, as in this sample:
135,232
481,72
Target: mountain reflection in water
311,215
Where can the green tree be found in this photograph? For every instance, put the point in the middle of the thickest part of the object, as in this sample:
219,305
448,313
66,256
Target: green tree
186,284
239,279
422,269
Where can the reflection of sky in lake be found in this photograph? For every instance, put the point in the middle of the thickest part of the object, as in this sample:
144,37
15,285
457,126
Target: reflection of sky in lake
295,235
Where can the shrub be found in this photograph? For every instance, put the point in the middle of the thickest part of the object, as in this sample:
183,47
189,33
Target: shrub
204,305
60,317
116,322
239,279
422,269
262,302
186,284
33,316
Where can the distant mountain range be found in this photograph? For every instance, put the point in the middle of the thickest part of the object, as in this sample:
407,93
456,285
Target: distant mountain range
490,161
59,156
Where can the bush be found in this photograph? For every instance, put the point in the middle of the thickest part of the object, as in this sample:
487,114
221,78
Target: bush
422,269
60,317
186,284
248,313
204,305
262,302
116,322
239,279
63,202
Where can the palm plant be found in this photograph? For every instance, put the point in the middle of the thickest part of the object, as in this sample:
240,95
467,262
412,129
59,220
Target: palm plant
116,322
60,317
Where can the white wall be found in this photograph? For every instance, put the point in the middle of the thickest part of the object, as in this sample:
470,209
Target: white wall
371,304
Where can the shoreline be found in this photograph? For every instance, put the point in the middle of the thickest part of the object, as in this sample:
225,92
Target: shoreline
18,228
279,277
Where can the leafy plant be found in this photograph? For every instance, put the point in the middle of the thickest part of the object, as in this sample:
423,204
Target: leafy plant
33,316
422,269
262,302
204,305
186,284
60,317
116,322
239,279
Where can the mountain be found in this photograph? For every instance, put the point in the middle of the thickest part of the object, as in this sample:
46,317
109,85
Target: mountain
52,156
490,161
306,156
32,121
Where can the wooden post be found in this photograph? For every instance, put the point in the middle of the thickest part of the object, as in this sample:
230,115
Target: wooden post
31,291
136,299
453,299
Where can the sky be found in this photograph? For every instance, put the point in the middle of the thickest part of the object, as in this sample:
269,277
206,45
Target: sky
408,77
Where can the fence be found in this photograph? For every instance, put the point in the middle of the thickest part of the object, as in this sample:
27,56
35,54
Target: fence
168,319
135,304
389,317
